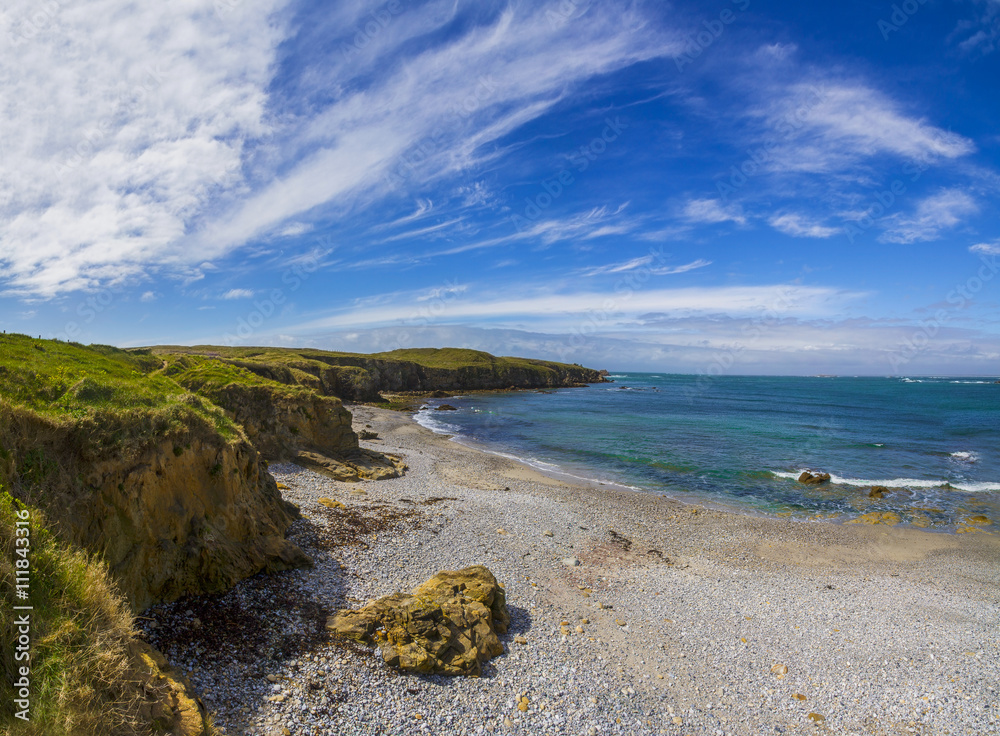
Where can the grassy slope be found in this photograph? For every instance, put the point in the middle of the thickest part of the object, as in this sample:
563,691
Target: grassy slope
113,393
305,366
81,677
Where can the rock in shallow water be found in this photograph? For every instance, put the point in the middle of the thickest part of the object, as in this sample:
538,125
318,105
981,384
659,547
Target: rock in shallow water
447,626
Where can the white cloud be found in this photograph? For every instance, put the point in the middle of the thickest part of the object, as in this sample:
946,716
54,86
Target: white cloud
712,211
982,34
645,264
442,106
540,306
938,212
129,118
831,126
294,228
801,226
987,249
238,294
148,296
177,159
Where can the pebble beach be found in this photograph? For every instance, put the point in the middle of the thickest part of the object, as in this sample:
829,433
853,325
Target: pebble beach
630,613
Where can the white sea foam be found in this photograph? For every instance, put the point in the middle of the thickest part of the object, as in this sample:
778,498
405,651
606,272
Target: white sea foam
969,457
986,487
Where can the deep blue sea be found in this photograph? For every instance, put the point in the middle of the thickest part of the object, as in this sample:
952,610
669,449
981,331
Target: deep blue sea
743,441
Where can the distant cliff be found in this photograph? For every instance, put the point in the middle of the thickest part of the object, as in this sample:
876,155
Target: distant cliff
358,377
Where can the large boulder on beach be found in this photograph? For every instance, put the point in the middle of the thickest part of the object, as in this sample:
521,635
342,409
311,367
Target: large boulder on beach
814,479
449,625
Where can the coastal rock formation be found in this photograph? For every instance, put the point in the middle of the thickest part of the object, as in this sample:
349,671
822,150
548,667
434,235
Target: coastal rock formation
814,479
355,377
446,407
878,492
448,625
279,423
193,513
360,465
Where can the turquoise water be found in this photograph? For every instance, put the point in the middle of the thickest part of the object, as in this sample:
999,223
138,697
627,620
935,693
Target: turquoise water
934,442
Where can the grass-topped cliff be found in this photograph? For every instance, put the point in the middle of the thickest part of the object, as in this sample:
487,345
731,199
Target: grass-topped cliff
361,377
144,474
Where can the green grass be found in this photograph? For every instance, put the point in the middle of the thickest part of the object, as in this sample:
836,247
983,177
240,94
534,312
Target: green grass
82,681
116,395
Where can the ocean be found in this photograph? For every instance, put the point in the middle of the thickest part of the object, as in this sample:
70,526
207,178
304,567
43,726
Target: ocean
742,442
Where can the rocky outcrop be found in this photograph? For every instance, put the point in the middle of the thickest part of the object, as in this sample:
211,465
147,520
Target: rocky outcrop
448,625
281,422
191,513
878,492
360,465
814,479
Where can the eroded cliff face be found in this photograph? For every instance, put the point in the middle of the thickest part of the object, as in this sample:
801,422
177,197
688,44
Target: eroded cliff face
280,425
362,379
191,513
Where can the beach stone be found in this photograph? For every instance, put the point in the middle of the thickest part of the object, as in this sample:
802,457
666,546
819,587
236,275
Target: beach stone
816,717
799,696
814,479
447,625
520,640
272,679
522,704
878,492
548,533
331,504
779,669
889,518
571,562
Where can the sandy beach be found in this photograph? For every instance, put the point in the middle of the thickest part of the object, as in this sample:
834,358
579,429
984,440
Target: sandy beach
641,615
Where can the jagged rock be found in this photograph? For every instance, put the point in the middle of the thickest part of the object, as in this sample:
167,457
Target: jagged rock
878,492
362,465
446,407
814,479
448,625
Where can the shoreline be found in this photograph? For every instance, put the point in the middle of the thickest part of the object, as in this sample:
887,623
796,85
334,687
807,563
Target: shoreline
723,505
683,609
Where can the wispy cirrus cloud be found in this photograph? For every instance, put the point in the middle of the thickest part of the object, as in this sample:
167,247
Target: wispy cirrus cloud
178,148
934,214
645,263
829,126
802,226
437,110
986,249
712,211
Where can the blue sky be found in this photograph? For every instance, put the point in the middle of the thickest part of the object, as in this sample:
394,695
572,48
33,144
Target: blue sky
736,187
